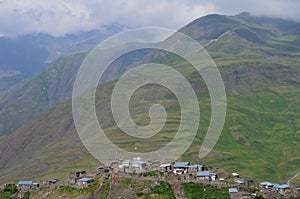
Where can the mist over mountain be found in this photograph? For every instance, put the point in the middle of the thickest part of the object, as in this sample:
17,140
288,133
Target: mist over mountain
25,56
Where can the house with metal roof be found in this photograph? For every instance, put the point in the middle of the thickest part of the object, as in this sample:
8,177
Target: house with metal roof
181,167
203,174
84,182
266,184
213,176
232,190
279,187
239,182
165,168
181,164
195,168
206,175
27,184
75,175
283,188
53,181
132,165
124,164
138,164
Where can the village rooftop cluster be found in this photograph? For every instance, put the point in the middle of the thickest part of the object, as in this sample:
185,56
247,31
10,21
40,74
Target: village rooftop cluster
238,187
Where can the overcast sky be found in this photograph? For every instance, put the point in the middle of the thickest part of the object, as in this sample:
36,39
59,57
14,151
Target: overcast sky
58,17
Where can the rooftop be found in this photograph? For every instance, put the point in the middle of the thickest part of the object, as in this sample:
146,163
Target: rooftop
195,166
239,182
126,161
139,162
85,180
181,164
266,184
165,165
233,190
284,186
25,183
203,174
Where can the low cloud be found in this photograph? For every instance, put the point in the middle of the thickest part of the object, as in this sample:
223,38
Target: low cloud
59,17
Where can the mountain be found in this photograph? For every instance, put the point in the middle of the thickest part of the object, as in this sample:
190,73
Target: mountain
46,90
250,35
25,88
259,61
33,97
25,56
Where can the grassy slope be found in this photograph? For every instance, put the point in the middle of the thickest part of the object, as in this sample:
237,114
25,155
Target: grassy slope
193,191
261,135
260,139
129,188
31,98
296,181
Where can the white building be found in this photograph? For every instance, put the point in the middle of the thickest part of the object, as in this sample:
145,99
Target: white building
181,167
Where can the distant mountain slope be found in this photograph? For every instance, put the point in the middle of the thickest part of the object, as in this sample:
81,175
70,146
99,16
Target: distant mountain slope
260,66
30,54
47,145
264,36
227,38
31,98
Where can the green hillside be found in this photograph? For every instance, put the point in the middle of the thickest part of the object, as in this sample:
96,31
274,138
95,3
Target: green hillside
260,67
260,138
31,98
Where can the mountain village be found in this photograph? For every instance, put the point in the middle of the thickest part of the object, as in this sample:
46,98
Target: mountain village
254,56
236,186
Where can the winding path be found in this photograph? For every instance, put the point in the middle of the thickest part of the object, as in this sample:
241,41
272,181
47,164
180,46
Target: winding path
293,176
289,180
